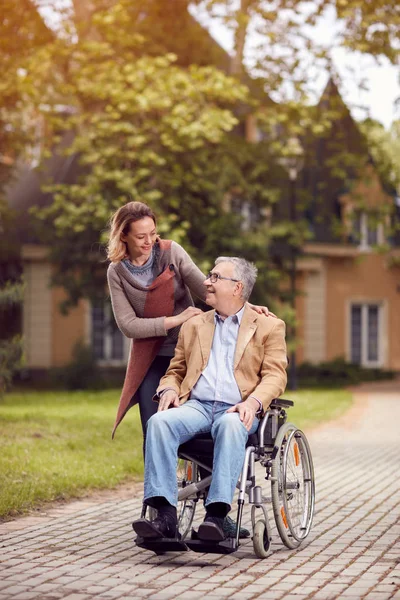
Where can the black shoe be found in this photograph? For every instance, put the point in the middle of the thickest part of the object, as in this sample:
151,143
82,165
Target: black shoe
163,526
212,529
230,529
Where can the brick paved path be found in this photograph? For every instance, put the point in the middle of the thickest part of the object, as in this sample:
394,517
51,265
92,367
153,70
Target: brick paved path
85,550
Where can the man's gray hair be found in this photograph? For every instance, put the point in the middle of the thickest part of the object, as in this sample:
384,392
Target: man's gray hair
244,270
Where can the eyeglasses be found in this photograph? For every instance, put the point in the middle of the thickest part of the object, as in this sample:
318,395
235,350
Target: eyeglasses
213,277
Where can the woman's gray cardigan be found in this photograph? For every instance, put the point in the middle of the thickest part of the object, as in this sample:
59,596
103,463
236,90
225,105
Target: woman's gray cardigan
128,297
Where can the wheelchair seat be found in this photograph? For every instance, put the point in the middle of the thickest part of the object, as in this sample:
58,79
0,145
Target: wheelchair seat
202,444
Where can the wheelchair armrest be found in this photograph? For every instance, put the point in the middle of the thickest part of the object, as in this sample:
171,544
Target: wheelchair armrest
281,403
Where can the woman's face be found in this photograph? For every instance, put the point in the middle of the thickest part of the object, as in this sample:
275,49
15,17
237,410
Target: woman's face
140,238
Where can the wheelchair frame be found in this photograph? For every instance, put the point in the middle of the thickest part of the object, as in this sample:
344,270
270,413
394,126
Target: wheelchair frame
283,450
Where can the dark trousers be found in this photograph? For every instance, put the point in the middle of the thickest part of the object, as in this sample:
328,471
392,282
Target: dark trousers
147,389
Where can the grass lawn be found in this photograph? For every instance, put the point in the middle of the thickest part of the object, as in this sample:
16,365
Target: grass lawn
57,445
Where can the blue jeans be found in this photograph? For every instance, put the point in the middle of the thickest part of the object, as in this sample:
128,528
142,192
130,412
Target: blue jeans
167,430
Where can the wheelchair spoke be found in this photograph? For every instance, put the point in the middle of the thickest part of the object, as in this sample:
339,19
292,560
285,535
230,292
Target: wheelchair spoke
292,486
187,473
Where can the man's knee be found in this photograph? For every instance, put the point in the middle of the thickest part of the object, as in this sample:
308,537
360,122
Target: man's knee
230,426
163,425
157,422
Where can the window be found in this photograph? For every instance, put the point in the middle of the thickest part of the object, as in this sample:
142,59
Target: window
365,334
108,343
368,230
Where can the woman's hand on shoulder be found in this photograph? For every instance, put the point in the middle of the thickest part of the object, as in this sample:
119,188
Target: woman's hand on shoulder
261,310
184,316
189,312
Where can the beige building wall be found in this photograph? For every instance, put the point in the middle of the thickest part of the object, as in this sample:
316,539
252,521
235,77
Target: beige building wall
364,279
37,322
49,336
300,303
68,329
315,318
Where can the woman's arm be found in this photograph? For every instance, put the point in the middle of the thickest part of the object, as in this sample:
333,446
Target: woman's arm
133,326
128,322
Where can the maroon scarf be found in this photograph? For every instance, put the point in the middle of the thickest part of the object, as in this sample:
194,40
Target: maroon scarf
159,303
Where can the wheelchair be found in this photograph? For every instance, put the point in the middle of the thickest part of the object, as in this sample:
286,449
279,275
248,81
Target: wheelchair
283,451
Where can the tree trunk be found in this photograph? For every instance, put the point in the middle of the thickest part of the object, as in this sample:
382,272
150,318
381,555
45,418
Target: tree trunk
242,19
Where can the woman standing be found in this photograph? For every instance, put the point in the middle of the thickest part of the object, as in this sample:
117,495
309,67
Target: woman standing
151,281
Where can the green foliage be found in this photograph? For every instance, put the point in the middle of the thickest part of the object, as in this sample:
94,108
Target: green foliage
286,48
12,293
82,373
11,352
338,373
11,346
370,27
384,146
138,124
126,94
22,31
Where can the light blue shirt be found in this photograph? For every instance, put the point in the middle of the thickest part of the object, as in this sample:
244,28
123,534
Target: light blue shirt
217,382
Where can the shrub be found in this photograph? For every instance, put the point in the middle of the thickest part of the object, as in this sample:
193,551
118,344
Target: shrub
10,361
11,347
337,373
82,373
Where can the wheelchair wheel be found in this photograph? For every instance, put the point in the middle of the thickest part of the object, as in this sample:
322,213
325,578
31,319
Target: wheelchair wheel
261,541
187,472
292,485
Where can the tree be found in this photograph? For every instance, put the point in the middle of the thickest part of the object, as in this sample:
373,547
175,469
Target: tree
139,121
22,31
286,50
132,120
384,146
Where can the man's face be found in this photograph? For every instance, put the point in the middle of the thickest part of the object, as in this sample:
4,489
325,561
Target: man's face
221,292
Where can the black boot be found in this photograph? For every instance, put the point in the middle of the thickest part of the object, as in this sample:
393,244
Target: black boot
165,525
212,528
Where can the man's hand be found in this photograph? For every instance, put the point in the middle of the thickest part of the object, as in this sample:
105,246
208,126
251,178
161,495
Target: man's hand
247,411
169,398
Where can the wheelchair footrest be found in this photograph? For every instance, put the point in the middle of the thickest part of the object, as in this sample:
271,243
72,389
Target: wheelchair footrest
161,544
225,547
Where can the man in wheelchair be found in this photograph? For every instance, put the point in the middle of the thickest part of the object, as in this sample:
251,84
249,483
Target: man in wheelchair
229,364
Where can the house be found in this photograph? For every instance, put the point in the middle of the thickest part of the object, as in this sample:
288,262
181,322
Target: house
348,293
348,278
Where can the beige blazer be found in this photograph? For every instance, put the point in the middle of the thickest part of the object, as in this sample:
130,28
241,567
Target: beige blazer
260,358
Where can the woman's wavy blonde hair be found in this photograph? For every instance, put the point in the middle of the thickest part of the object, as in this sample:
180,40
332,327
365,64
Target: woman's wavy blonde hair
120,223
